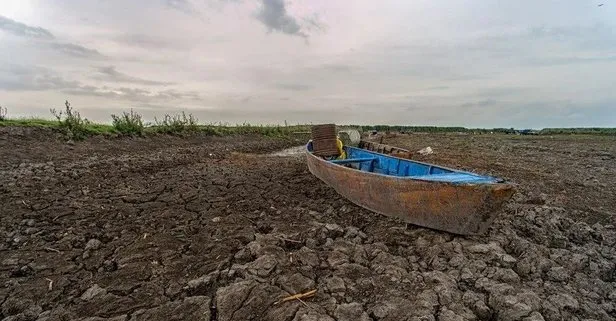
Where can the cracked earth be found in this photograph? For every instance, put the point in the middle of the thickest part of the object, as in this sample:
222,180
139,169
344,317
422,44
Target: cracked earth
203,228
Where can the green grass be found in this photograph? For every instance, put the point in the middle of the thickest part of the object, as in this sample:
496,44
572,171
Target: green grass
75,127
30,122
128,123
215,130
92,128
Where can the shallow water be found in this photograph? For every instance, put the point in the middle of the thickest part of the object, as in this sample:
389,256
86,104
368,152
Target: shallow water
293,151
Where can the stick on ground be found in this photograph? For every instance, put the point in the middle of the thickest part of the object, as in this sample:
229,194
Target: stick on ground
298,296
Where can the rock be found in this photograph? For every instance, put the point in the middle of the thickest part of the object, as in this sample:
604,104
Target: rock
427,299
110,266
191,308
230,298
22,271
30,230
425,317
558,306
243,255
10,261
200,285
262,266
558,274
335,258
446,294
524,267
457,260
328,242
506,275
335,284
510,309
311,243
32,312
257,301
122,317
308,257
334,230
93,244
564,301
485,248
535,316
536,199
296,283
216,219
508,260
92,292
351,312
482,310
448,315
311,315
352,232
531,299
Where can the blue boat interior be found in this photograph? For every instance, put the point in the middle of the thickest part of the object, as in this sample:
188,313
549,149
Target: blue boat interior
373,162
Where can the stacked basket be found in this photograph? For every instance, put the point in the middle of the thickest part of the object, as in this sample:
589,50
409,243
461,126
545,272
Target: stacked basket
324,140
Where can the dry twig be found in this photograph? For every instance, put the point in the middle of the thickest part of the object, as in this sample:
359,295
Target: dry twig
298,296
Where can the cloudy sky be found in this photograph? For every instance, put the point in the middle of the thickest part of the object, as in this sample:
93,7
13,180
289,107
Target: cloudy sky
485,63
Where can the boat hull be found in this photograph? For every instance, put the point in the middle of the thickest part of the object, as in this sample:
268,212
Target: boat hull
466,209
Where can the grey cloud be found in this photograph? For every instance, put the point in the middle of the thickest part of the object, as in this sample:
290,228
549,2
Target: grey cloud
555,61
109,73
313,23
181,5
504,91
132,94
294,87
274,16
76,50
23,30
44,35
141,40
19,78
480,103
337,67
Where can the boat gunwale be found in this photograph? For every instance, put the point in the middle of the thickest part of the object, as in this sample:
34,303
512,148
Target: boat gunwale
496,183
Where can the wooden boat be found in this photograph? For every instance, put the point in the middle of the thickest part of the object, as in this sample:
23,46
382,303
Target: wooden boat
418,193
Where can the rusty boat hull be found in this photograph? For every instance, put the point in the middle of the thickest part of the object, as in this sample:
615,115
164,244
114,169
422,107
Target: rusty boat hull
422,194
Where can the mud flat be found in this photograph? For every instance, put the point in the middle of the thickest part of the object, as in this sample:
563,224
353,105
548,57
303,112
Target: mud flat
203,228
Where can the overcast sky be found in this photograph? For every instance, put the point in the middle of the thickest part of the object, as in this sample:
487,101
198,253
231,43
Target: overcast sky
482,63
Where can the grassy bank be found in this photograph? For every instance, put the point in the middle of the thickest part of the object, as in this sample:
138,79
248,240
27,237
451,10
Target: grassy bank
70,122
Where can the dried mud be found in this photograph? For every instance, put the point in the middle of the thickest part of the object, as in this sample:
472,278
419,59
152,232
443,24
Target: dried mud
200,228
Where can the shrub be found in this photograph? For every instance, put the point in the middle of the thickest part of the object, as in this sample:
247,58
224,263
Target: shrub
177,123
128,123
70,121
3,113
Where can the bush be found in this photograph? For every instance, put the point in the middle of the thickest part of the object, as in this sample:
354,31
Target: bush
3,113
177,124
70,121
128,123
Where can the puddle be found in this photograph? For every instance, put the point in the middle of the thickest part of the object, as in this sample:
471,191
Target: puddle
293,151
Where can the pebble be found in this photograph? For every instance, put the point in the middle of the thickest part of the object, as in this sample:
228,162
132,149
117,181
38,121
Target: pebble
351,312
93,244
92,292
335,284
